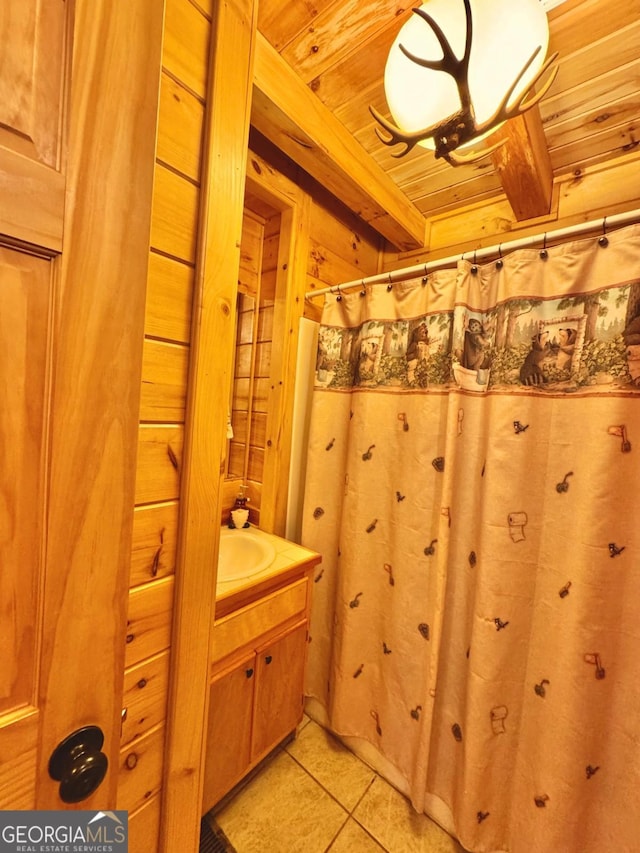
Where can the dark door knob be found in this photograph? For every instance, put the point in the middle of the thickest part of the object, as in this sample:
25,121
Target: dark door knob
78,764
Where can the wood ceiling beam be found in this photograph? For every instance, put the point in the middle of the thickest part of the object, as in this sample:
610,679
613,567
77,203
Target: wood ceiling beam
524,166
294,119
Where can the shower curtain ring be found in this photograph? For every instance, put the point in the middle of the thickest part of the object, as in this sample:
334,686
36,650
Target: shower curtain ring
543,252
363,292
499,262
474,267
604,240
390,285
425,277
339,296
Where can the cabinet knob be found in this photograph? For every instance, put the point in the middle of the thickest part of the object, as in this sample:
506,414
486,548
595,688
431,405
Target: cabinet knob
249,672
268,659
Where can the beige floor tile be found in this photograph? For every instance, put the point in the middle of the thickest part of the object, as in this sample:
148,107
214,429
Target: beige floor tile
305,722
282,810
392,821
353,838
336,768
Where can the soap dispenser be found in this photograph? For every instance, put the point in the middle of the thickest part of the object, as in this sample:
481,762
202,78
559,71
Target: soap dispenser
240,513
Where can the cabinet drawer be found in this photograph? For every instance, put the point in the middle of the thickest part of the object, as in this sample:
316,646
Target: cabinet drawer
245,626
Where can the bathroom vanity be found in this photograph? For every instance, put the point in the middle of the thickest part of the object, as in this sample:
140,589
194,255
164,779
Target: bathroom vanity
258,653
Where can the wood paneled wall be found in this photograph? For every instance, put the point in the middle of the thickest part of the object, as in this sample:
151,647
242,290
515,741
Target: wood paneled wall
170,286
589,194
339,246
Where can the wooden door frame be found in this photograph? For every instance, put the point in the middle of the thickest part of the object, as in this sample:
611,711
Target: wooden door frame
226,173
294,206
198,534
226,134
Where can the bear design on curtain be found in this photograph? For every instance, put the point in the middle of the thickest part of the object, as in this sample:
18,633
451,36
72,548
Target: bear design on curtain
473,455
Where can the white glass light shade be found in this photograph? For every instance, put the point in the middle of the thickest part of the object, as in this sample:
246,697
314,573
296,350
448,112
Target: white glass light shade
505,35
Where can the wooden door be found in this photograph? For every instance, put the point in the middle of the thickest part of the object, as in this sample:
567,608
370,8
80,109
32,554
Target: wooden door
228,730
78,103
278,703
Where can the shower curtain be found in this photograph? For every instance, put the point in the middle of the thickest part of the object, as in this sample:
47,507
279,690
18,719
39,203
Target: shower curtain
472,485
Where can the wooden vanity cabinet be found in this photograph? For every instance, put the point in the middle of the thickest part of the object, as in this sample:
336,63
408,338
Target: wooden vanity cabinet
278,701
229,729
257,689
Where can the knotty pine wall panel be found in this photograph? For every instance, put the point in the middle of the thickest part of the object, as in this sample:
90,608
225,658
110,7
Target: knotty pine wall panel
140,773
596,191
180,128
145,696
155,528
340,248
164,382
169,296
148,625
144,827
159,464
170,287
174,215
187,32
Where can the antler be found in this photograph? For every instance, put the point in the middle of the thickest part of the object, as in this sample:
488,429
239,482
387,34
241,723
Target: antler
503,111
450,64
396,135
461,127
456,68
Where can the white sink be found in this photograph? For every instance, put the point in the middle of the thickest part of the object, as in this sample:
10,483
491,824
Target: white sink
243,553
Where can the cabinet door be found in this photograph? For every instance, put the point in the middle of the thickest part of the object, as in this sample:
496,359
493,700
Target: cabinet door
229,730
279,689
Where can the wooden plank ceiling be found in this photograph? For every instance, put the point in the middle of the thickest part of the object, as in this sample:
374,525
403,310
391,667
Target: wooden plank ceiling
337,50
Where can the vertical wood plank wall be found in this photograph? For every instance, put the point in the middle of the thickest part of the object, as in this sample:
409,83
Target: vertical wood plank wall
170,286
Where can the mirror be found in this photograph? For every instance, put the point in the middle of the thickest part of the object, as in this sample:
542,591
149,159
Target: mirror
243,376
251,379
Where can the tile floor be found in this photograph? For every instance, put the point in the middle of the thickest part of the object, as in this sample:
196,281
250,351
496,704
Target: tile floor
314,795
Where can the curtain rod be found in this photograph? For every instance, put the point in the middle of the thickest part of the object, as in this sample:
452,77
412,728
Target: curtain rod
614,221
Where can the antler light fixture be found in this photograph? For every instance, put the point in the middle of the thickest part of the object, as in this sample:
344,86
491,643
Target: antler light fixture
459,69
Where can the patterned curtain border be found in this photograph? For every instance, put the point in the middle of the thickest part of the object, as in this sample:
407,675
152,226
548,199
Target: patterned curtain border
583,342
